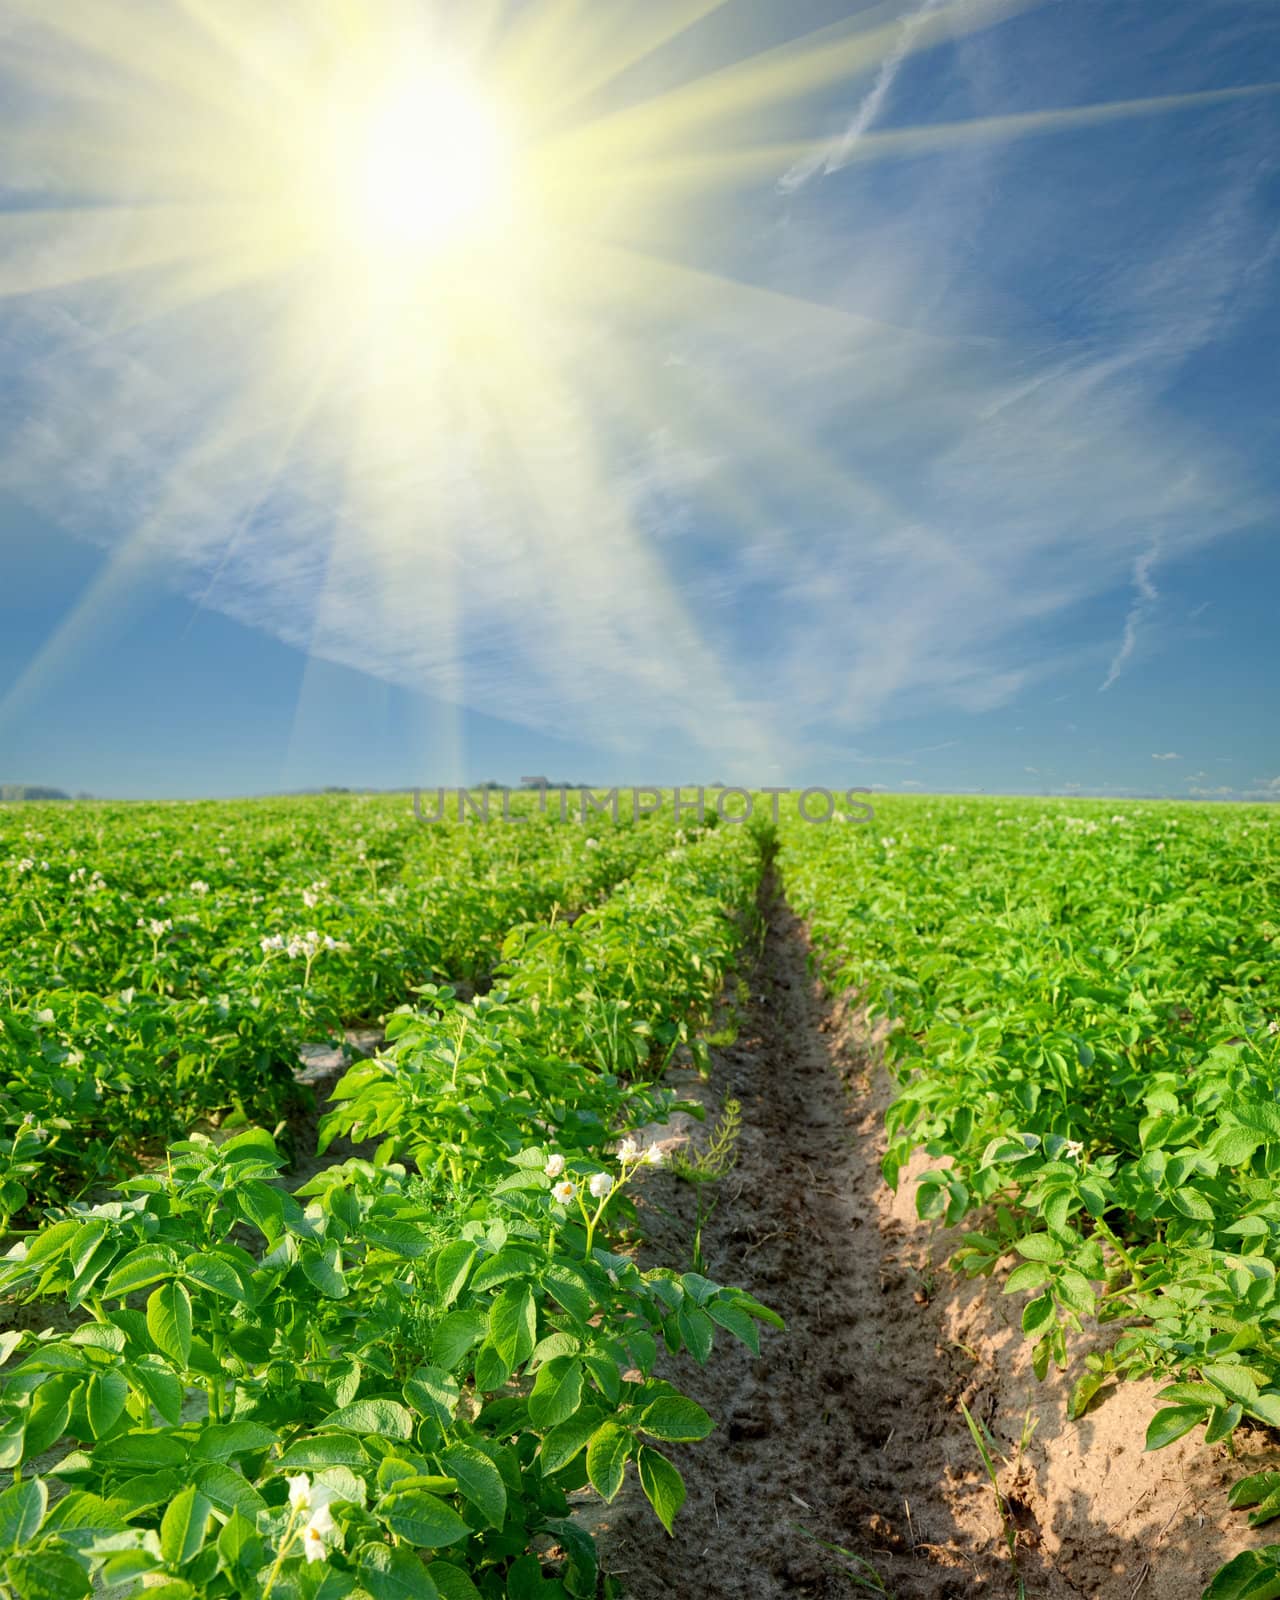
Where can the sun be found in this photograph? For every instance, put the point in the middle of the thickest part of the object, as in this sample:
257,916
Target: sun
425,166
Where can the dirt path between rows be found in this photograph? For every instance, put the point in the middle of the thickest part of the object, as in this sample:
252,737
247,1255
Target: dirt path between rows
847,1429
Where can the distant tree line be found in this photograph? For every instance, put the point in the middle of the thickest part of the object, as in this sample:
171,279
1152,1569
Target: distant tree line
35,791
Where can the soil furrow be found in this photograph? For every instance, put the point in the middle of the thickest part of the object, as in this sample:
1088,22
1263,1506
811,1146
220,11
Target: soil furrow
847,1429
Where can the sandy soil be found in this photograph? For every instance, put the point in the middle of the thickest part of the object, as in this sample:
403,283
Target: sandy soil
847,1429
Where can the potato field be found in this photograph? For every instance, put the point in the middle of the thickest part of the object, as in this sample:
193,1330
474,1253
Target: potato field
560,1205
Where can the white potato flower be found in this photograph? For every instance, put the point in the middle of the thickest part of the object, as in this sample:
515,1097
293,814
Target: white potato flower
628,1150
199,886
313,1545
564,1192
46,1017
299,1492
554,1166
1073,1150
655,1155
600,1184
322,1523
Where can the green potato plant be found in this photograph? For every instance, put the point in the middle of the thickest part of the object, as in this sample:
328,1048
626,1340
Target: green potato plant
434,1380
397,1380
1085,1010
163,964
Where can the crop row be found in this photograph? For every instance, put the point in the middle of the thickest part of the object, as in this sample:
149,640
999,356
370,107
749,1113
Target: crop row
169,899
391,1384
1086,1005
131,1011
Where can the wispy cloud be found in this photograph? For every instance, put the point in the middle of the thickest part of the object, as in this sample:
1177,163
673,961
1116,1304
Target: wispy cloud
1169,755
1261,789
1146,598
831,155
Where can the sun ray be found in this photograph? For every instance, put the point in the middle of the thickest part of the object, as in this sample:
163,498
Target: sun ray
755,89
770,465
655,283
399,544
754,164
194,486
860,519
763,454
52,249
225,23
650,622
312,393
601,50
652,400
161,53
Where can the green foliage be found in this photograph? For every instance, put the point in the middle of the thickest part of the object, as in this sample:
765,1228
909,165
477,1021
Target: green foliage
1086,1041
711,1163
450,1384
164,964
391,1382
986,1452
705,1168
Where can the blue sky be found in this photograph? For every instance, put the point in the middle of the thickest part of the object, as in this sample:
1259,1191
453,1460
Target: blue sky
941,456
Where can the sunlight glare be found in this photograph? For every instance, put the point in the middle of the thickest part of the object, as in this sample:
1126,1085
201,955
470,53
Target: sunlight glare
430,167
